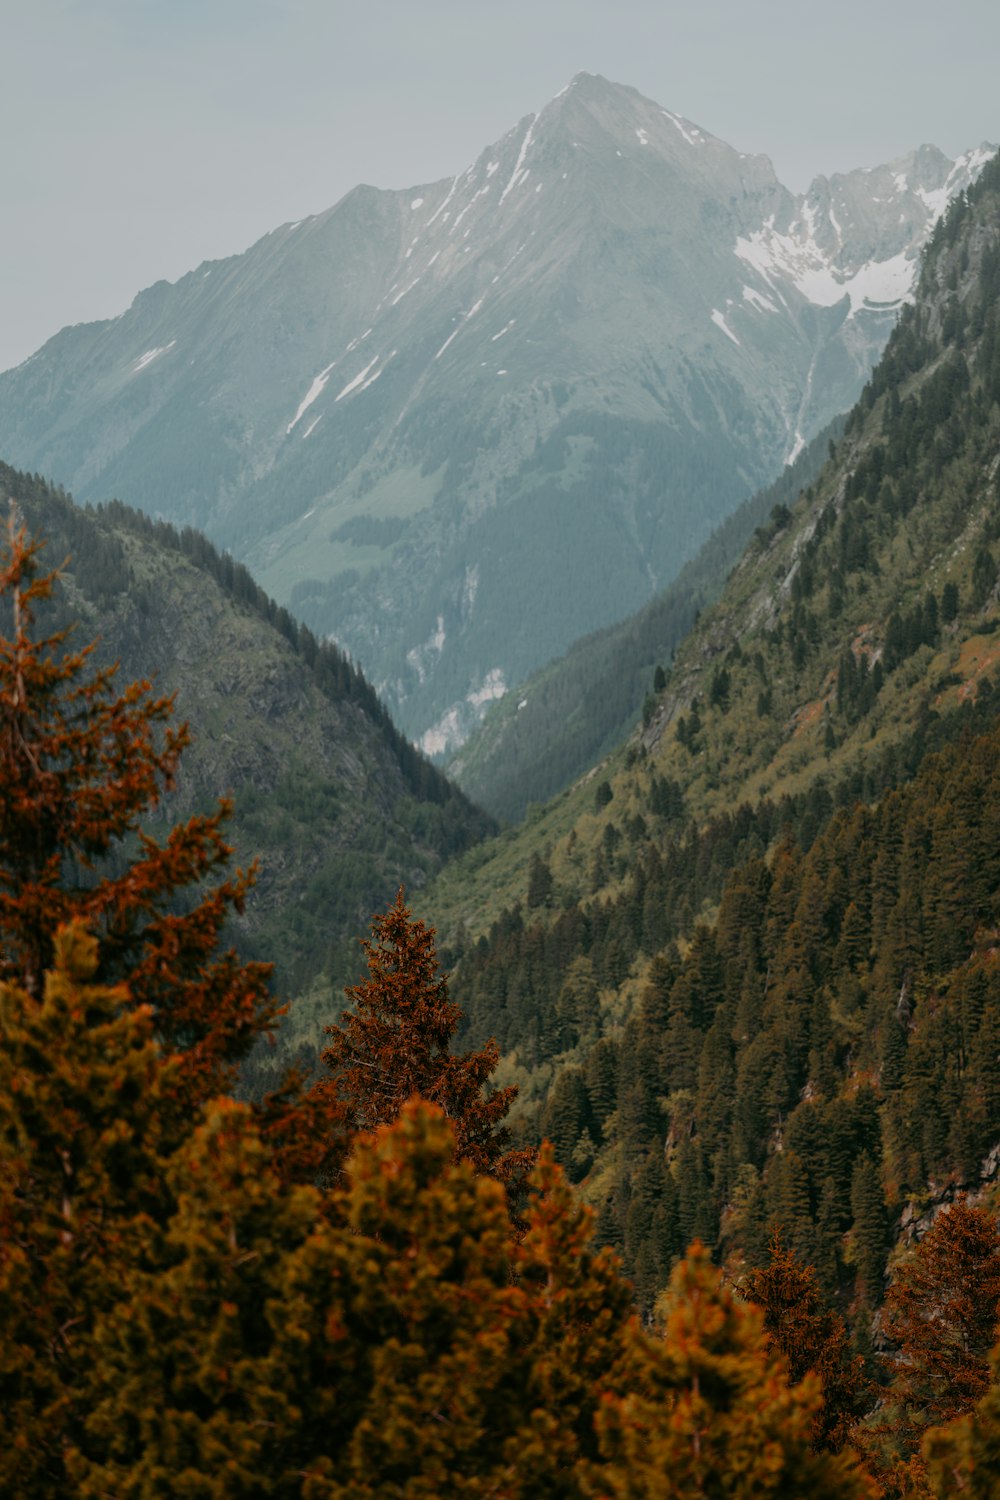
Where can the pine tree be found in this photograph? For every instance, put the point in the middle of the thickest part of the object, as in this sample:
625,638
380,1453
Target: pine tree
941,1310
810,1336
708,1410
274,1345
578,1333
82,1151
396,1045
871,1229
963,1457
393,1340
540,883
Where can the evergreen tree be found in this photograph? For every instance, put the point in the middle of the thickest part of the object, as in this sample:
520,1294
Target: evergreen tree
396,1045
82,1150
708,1409
871,1229
941,1310
963,1457
79,768
810,1336
540,884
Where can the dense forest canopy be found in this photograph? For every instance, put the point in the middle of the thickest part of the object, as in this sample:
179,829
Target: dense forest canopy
354,1285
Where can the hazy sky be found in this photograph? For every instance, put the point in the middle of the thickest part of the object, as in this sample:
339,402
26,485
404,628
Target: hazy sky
143,136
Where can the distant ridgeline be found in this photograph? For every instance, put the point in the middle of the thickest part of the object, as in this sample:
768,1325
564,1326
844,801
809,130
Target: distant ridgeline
335,803
748,973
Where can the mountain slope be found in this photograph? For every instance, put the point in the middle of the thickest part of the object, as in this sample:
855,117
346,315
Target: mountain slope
553,727
331,801
461,426
904,508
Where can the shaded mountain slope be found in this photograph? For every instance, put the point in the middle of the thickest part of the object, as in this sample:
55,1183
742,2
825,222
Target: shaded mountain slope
904,508
335,805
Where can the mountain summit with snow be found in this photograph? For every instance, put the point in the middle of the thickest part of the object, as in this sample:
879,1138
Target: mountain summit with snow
458,426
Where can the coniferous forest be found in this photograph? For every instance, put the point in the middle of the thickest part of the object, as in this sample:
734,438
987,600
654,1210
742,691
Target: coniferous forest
679,1175
358,1284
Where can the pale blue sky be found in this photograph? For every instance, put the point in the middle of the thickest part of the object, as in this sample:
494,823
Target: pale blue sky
143,136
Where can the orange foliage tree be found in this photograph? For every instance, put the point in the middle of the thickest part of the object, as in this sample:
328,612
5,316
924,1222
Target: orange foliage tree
963,1456
708,1409
941,1310
81,764
396,1044
388,1339
811,1337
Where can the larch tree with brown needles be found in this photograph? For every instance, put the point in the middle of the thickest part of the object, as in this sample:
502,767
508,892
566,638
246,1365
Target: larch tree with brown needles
82,764
395,1044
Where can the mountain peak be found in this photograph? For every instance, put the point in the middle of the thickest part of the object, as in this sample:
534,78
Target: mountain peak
372,406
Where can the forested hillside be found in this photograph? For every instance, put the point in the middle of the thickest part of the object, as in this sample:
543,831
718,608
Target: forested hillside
747,970
355,1285
330,799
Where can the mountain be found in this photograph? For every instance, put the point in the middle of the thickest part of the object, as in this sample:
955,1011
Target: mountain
745,971
330,800
460,426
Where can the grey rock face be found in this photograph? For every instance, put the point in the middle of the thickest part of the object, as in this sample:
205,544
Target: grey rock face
459,426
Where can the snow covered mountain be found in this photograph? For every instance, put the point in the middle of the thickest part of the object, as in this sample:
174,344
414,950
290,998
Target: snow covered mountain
459,426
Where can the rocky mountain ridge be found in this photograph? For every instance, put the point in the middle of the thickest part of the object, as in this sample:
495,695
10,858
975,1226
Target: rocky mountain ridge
457,427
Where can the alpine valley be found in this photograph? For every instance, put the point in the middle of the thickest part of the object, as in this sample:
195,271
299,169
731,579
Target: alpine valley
456,428
740,956
745,969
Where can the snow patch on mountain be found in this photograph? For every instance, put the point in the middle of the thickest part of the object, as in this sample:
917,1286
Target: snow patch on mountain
492,689
360,381
690,132
150,355
518,175
795,449
452,728
936,200
443,205
758,300
400,295
456,331
316,389
418,656
797,258
799,250
719,319
472,201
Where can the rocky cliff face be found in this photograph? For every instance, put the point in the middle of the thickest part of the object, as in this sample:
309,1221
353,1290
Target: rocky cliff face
459,426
